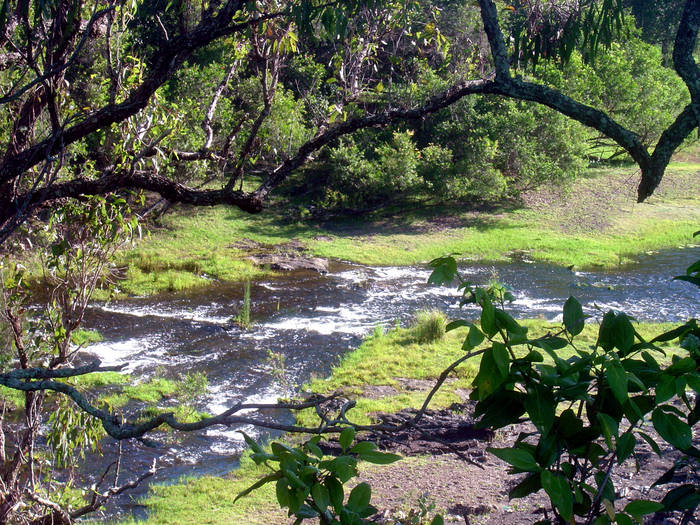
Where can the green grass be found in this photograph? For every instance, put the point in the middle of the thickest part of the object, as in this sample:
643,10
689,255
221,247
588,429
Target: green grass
429,326
82,337
594,222
209,500
117,390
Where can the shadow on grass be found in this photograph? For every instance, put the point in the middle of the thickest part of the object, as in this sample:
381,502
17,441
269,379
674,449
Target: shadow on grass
409,219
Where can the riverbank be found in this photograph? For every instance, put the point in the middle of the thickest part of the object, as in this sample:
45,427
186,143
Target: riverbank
593,222
389,372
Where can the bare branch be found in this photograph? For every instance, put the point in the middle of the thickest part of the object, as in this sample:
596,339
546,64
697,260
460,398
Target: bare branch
99,499
59,373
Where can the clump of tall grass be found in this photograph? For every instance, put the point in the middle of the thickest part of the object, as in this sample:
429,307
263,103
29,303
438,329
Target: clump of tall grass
243,317
429,326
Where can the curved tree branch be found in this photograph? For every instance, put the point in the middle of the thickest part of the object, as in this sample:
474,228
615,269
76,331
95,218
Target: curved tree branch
169,59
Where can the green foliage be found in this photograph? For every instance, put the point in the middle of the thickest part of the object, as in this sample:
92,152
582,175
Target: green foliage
71,432
311,486
243,317
589,409
549,31
629,82
398,162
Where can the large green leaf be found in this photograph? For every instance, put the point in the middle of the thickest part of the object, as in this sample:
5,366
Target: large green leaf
506,321
681,366
363,446
345,467
653,444
688,278
623,519
609,427
444,272
321,496
474,338
263,481
540,405
282,492
335,492
379,458
672,429
625,446
489,377
519,458
559,491
359,497
500,409
573,316
642,507
346,438
488,317
622,333
617,379
665,388
529,485
459,323
605,332
684,497
501,358
672,334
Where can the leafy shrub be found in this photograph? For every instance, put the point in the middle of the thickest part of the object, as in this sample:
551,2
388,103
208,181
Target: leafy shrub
398,162
310,485
590,410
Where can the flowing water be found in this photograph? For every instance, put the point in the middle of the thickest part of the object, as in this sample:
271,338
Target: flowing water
312,320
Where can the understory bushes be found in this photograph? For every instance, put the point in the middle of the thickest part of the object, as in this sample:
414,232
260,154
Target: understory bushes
485,149
480,150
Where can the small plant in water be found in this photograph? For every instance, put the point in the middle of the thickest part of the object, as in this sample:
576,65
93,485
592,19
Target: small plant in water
275,362
243,317
429,326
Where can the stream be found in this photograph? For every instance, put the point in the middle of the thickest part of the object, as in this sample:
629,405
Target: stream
312,320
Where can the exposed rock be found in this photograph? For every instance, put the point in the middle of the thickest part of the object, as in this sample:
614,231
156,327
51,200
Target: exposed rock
284,257
287,262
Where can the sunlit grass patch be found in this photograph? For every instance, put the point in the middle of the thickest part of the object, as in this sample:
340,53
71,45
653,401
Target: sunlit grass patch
190,500
82,337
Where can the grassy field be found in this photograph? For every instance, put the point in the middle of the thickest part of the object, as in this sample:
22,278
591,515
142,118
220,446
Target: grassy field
388,372
595,221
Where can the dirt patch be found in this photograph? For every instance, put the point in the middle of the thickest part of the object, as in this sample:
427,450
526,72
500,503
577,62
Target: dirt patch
378,391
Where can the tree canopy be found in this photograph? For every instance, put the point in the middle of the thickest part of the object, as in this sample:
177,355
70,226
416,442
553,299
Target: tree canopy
94,99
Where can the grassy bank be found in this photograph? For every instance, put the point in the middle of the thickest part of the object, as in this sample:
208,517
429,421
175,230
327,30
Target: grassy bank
593,222
388,372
